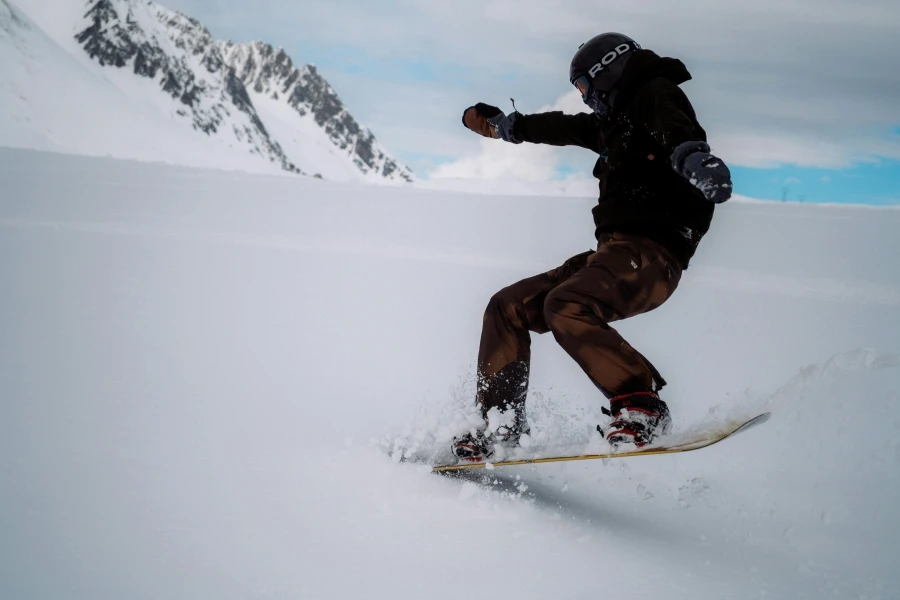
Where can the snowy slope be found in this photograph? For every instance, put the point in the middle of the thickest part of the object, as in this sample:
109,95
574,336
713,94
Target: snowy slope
145,68
197,370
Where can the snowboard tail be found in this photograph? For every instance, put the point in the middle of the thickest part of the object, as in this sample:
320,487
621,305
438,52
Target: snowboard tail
682,447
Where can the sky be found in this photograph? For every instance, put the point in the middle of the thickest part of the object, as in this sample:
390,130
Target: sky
799,97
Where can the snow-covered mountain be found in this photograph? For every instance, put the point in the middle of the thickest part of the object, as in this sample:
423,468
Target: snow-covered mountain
244,105
301,99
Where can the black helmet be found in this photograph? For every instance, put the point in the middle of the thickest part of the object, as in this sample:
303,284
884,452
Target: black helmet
597,68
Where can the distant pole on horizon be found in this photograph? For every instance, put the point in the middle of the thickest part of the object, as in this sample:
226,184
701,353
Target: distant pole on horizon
784,194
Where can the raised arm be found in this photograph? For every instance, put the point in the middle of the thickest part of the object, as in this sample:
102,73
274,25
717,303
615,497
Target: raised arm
554,128
560,129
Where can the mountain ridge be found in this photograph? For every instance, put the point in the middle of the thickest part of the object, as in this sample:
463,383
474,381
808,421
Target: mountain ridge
244,98
269,70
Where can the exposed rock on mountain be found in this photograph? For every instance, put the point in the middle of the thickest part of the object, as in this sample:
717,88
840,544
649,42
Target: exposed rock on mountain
246,100
269,71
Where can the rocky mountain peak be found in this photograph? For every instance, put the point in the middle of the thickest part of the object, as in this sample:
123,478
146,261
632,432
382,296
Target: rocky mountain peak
215,84
267,70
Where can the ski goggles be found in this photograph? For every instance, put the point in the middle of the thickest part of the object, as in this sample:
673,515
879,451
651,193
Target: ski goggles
590,95
584,86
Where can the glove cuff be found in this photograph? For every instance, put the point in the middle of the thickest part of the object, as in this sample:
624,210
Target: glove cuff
506,127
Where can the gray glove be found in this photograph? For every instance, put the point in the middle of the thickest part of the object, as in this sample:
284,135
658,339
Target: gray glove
490,121
707,173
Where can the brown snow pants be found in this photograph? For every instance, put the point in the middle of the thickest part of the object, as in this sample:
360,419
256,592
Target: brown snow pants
627,275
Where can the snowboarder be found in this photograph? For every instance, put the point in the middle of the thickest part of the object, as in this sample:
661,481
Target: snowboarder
658,187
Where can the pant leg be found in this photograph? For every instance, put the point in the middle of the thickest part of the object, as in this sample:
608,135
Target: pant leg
504,354
628,275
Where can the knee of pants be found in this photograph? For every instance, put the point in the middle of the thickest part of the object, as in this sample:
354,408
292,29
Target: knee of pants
561,306
502,306
556,309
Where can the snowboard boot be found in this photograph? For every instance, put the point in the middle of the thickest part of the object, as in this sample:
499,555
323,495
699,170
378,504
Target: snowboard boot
504,422
479,445
637,419
476,446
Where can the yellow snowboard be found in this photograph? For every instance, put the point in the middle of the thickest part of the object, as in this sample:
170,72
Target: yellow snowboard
681,447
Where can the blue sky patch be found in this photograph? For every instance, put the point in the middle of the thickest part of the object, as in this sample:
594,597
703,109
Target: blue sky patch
872,183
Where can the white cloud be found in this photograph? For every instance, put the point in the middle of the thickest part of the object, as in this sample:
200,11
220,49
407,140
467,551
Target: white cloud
770,150
500,160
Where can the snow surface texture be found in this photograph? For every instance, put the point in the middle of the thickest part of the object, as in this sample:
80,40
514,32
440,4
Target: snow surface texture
152,84
198,369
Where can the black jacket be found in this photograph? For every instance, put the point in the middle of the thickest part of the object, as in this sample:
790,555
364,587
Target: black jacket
638,195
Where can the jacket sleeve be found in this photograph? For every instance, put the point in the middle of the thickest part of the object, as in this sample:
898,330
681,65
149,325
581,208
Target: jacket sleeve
559,129
667,115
